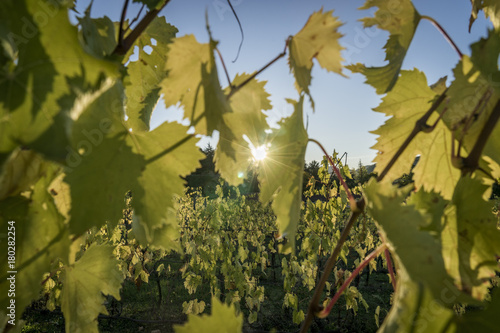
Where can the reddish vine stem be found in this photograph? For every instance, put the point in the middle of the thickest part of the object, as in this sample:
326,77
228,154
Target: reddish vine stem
420,126
48,277
444,33
314,307
234,89
224,67
390,268
352,201
326,311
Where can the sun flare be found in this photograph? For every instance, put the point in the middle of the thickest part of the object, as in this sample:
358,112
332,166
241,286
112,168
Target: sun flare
259,153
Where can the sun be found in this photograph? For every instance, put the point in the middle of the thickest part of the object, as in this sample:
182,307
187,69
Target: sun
259,153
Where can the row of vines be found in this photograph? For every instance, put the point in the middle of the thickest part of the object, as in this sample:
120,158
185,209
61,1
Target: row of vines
229,245
75,137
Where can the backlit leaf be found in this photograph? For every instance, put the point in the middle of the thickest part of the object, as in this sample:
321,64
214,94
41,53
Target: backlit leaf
33,86
400,19
222,319
145,73
84,283
491,9
410,99
317,39
41,240
280,173
192,80
138,161
233,155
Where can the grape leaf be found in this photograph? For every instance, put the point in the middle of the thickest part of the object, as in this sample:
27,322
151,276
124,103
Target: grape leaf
98,35
416,309
475,93
400,20
42,240
233,155
96,273
467,231
150,160
317,39
192,80
146,73
471,239
105,153
417,250
35,82
491,9
473,97
22,169
280,173
222,319
481,321
409,100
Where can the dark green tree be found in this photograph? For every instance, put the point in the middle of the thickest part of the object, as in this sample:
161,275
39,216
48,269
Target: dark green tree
311,169
205,177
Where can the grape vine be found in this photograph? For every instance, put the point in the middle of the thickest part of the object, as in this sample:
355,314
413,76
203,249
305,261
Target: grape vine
75,139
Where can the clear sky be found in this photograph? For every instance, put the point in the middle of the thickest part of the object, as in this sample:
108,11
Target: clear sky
343,116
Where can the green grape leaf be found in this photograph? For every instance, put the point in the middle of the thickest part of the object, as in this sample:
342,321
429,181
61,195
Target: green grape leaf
409,100
41,240
400,20
471,239
36,82
223,319
481,321
473,97
21,170
418,251
233,155
416,309
96,273
98,35
145,73
491,9
192,80
147,163
474,94
280,173
317,39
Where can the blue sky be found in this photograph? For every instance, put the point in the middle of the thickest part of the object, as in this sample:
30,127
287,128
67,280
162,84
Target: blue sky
343,116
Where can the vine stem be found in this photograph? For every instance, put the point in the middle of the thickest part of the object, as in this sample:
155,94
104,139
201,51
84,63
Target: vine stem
135,18
352,201
444,33
225,68
325,312
234,89
122,21
390,268
241,30
126,43
314,307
